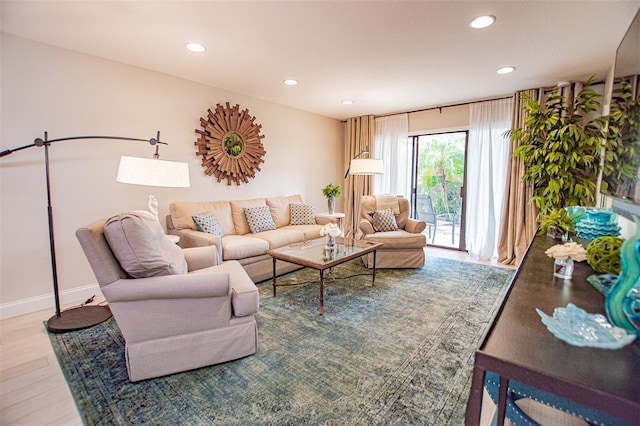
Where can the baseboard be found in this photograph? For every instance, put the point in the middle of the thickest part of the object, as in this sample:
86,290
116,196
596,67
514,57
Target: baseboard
39,303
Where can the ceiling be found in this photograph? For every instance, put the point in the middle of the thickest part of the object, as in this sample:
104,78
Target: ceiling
386,56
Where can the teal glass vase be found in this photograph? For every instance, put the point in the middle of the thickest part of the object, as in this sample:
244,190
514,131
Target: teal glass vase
622,303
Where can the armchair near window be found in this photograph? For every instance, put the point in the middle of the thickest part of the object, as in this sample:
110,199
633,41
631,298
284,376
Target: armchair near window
404,246
191,318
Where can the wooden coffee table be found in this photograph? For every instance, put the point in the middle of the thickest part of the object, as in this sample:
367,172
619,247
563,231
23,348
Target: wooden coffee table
312,254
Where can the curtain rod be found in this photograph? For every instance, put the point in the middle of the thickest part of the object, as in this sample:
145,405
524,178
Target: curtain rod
438,107
444,106
469,102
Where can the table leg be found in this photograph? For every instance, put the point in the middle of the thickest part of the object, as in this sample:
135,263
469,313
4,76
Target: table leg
373,281
321,293
274,277
502,399
474,405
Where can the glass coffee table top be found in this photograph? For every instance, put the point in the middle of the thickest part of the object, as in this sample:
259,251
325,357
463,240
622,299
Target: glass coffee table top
314,253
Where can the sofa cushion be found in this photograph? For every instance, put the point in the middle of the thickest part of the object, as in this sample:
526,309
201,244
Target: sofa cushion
383,220
259,219
302,214
237,213
143,250
240,246
311,232
279,207
399,239
207,222
182,214
281,237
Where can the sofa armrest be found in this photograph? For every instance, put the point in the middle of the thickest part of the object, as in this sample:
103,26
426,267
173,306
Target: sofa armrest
415,226
186,286
201,257
366,227
322,220
170,305
245,299
190,238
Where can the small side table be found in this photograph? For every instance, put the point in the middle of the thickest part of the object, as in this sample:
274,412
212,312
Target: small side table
335,217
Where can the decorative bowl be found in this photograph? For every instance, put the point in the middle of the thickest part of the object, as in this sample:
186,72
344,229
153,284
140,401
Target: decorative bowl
579,328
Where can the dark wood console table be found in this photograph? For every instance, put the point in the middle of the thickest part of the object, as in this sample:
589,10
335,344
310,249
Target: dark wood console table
517,346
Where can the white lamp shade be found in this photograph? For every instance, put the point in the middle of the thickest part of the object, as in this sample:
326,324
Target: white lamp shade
153,172
366,166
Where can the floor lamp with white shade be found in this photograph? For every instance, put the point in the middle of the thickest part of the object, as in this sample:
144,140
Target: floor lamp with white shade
153,172
165,173
361,167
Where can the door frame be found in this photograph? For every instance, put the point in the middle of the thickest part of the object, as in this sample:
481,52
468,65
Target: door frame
414,184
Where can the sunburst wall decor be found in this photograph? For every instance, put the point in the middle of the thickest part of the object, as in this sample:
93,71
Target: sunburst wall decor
230,144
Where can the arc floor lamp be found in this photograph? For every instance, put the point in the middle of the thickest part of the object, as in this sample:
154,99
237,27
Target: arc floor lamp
361,167
140,171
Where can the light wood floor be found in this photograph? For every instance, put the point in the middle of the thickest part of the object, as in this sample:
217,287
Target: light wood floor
33,390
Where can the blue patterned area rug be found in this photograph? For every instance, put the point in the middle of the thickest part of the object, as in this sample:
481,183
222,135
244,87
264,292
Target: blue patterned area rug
397,353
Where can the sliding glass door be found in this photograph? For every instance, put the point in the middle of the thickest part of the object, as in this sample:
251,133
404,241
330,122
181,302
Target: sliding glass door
438,186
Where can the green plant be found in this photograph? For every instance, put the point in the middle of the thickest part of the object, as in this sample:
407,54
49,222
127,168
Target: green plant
558,219
560,148
622,154
331,191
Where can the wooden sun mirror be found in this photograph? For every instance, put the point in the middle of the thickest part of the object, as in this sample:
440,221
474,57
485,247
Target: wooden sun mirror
230,144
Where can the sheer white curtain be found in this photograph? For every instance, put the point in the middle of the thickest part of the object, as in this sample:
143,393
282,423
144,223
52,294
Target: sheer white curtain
487,160
391,145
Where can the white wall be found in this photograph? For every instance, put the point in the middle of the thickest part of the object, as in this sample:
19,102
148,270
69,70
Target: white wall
45,88
446,119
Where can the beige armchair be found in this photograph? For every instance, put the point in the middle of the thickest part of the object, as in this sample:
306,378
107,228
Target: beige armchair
196,317
403,247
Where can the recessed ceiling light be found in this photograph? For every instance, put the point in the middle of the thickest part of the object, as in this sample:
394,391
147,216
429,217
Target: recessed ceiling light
347,102
483,21
506,70
290,82
195,47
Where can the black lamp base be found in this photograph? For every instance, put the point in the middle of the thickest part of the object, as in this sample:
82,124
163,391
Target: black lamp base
78,318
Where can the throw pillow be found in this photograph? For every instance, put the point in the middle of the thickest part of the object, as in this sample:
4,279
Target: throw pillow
143,250
259,219
303,214
207,222
383,220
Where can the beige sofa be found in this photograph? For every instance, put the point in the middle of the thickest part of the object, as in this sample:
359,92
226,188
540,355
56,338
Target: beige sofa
238,243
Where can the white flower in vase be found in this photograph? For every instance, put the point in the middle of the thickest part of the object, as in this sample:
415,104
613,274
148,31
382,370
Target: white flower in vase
331,229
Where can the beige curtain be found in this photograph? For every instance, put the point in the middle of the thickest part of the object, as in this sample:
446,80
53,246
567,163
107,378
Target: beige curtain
519,223
359,134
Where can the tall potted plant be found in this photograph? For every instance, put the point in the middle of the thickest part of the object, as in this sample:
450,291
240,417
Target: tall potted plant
331,192
622,146
560,148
